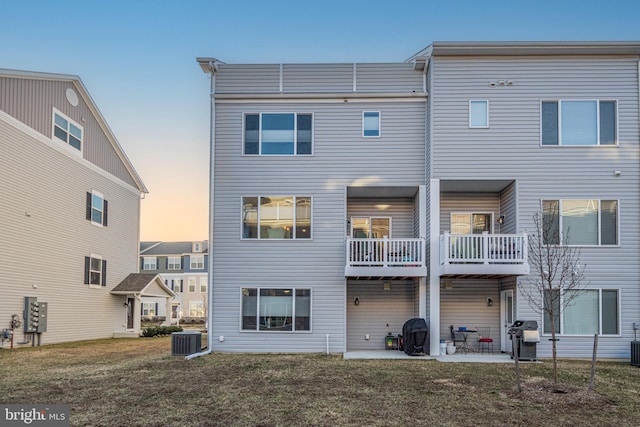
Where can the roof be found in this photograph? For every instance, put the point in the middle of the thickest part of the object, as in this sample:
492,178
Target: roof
171,248
525,48
82,91
144,284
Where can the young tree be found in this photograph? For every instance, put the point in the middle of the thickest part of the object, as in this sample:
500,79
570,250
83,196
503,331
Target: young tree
556,274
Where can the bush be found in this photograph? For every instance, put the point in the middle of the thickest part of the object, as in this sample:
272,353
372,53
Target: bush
155,331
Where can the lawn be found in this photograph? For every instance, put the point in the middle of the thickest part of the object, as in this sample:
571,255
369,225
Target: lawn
137,383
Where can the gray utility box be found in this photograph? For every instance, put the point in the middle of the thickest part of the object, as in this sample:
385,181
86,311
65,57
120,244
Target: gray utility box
527,337
635,353
185,343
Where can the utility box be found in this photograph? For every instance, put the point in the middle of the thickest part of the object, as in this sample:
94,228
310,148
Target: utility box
35,315
42,317
185,343
635,353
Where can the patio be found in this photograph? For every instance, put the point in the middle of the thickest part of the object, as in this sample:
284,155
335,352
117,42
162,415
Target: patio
400,355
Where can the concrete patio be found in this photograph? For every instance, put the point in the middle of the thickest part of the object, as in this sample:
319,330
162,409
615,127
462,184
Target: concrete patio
471,357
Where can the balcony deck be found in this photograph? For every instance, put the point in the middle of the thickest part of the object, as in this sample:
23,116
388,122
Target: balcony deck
385,258
483,254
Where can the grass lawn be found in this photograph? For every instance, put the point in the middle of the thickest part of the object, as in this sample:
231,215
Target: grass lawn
136,382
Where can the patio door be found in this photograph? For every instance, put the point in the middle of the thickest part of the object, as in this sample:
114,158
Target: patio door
370,227
131,303
507,317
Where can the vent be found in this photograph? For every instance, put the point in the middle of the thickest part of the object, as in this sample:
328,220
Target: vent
185,343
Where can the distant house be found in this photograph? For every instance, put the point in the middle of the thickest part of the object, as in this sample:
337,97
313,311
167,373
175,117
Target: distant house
183,268
69,213
349,198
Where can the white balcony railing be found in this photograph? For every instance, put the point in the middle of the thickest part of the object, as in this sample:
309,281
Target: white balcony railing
483,248
385,252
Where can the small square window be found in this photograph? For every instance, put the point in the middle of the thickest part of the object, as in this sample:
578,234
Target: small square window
478,114
371,124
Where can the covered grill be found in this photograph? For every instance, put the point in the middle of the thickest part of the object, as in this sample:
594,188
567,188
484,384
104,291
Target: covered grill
527,337
415,333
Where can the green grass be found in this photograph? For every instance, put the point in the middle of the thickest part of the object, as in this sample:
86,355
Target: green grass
138,383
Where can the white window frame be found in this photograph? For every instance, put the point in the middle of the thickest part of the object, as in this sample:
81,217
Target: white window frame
379,124
293,310
94,208
295,132
196,262
599,224
562,317
148,262
473,112
149,307
197,307
294,238
92,271
203,285
471,214
174,262
66,131
191,285
598,120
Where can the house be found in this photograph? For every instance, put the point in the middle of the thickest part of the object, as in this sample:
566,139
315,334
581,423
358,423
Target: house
69,214
349,198
183,267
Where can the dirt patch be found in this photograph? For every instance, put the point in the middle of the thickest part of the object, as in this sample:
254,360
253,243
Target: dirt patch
542,392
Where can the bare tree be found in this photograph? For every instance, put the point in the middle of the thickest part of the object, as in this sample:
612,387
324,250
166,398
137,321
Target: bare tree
555,274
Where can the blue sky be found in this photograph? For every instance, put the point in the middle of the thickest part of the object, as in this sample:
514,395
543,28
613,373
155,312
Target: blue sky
137,59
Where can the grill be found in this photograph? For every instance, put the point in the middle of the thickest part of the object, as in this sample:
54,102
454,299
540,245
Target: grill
414,334
527,337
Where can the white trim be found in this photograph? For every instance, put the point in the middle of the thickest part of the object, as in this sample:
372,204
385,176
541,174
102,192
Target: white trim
144,263
470,213
99,194
319,98
66,142
559,102
11,121
98,286
293,310
486,102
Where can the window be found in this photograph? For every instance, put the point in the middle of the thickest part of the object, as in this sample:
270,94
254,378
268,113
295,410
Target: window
176,285
579,123
149,309
470,223
276,217
95,271
371,124
478,114
203,285
591,311
174,263
149,263
370,227
196,309
96,208
192,284
66,130
197,262
580,222
267,309
278,134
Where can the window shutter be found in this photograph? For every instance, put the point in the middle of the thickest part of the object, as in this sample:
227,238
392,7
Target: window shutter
181,290
88,213
87,263
181,263
105,206
104,272
156,311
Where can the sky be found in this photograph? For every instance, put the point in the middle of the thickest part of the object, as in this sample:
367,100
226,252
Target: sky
137,60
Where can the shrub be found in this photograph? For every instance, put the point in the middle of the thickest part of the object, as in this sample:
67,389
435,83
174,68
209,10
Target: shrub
155,331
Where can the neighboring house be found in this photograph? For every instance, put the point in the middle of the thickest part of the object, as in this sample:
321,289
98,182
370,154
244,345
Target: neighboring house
183,267
349,198
69,213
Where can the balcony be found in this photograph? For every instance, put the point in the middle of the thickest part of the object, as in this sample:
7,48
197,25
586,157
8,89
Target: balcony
483,254
385,258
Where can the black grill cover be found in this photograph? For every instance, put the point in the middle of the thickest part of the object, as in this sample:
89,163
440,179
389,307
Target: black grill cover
415,333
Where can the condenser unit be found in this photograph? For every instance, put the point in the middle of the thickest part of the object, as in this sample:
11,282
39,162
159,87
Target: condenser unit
185,343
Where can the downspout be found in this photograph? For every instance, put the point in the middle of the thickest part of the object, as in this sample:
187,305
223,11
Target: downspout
213,67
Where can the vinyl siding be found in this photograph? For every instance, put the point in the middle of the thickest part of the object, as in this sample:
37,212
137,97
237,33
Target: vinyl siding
399,210
32,101
510,149
46,237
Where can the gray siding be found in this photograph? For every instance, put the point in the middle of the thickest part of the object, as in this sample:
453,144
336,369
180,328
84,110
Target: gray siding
400,212
45,237
32,102
510,149
467,202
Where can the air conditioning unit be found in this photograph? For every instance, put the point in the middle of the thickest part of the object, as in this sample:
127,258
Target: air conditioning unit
635,353
185,343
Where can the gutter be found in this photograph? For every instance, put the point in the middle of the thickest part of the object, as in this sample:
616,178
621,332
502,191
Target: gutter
210,67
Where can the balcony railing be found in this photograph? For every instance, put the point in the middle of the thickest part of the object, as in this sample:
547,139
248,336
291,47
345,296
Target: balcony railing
483,248
385,252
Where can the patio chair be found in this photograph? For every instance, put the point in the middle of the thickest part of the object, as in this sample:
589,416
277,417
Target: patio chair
457,337
484,339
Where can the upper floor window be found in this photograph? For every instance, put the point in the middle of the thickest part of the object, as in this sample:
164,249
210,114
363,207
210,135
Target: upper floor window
97,208
371,123
191,284
197,262
276,217
174,263
278,133
579,123
580,222
95,270
478,114
67,130
149,263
